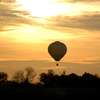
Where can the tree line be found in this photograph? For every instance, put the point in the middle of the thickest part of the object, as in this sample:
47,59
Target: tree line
51,79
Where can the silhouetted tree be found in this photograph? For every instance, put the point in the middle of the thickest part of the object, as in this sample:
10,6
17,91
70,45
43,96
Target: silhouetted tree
47,79
29,74
19,77
73,76
50,73
88,76
51,79
25,76
3,77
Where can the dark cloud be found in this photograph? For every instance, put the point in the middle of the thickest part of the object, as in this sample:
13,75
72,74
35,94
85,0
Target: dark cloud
89,22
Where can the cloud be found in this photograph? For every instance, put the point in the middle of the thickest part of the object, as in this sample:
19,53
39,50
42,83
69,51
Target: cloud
78,0
10,16
87,21
8,1
92,61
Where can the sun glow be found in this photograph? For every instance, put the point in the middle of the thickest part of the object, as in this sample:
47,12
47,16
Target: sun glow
45,8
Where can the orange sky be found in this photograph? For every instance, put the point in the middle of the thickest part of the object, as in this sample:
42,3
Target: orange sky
28,27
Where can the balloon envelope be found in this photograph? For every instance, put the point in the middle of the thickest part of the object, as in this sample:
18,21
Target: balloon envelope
57,50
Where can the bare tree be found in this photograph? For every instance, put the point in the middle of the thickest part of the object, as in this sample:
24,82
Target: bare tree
26,76
19,77
29,74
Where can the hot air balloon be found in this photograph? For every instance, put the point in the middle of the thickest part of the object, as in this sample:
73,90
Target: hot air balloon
57,50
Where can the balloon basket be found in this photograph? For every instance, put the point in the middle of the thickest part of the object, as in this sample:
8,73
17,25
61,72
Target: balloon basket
57,64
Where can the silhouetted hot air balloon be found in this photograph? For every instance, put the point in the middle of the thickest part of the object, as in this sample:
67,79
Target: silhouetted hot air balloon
57,50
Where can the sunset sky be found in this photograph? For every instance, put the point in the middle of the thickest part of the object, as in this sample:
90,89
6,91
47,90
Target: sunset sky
27,27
